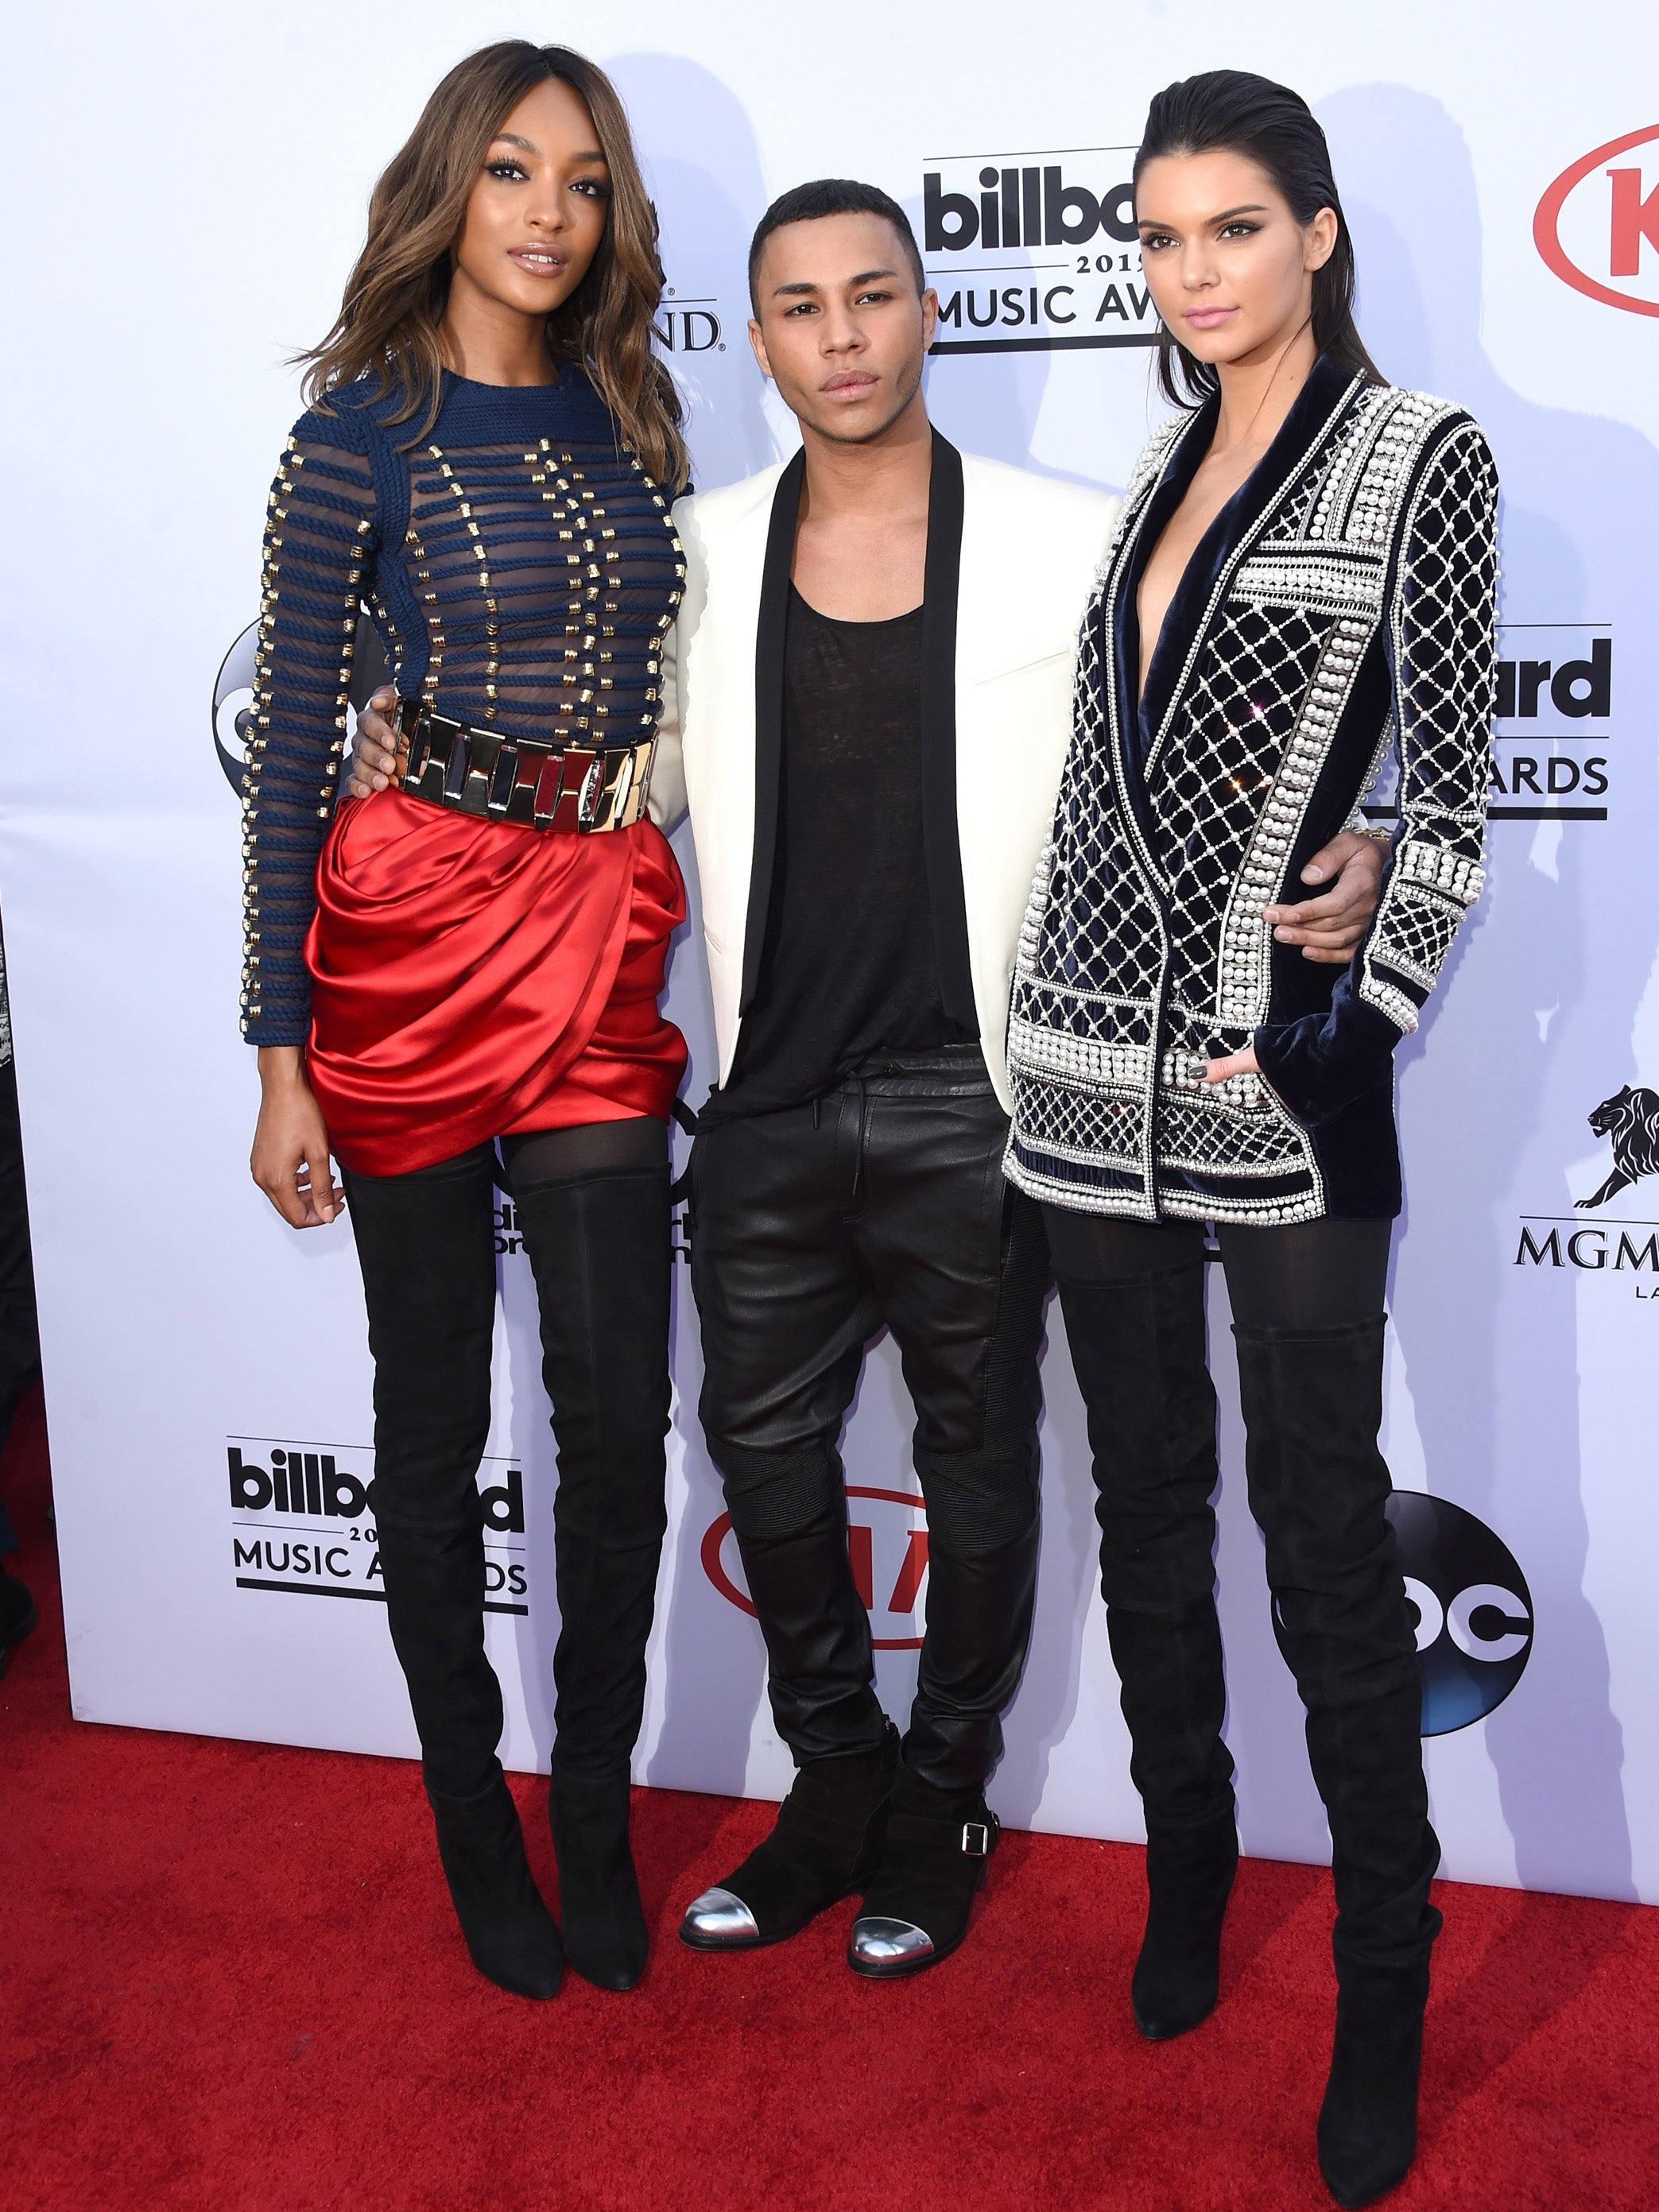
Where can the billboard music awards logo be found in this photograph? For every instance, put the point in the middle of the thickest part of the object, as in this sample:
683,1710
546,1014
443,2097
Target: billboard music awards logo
1554,716
1474,1616
1552,727
303,1523
1597,227
688,326
1034,251
887,1544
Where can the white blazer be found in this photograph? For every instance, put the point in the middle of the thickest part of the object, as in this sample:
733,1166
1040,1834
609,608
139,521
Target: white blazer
1030,549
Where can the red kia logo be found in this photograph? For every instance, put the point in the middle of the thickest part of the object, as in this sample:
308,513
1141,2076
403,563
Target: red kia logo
1594,220
887,1544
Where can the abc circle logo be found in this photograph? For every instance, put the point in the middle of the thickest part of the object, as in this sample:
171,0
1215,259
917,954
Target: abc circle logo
232,706
233,693
1592,224
1474,1615
887,1546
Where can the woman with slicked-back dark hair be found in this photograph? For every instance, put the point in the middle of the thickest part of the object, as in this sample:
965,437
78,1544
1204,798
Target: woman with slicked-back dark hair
1304,577
475,957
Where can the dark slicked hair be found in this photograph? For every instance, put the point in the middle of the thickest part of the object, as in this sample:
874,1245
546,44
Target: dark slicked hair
1275,128
827,196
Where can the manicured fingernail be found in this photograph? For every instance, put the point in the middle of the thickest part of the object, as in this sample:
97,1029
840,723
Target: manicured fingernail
1313,875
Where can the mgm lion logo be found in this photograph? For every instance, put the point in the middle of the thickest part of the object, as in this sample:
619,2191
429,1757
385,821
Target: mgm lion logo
1631,1118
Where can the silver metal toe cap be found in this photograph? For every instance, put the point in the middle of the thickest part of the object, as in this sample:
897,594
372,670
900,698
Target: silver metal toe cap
717,1917
880,1942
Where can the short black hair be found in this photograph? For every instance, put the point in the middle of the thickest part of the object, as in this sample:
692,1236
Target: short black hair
827,196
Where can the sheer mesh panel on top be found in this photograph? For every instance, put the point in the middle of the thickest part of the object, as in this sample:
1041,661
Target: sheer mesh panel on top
521,570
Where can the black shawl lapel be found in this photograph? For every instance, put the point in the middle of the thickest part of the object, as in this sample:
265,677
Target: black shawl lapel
769,714
1120,614
941,839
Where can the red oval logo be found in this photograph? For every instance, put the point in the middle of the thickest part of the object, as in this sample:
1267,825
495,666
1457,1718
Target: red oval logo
888,1550
1590,229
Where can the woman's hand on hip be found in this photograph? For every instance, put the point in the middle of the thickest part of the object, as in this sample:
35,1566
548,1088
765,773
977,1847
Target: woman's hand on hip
290,1162
1236,1063
373,761
1329,928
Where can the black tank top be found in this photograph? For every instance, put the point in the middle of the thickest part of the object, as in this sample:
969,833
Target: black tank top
847,964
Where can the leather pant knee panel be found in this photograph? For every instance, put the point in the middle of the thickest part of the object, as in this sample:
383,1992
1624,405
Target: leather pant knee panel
812,1229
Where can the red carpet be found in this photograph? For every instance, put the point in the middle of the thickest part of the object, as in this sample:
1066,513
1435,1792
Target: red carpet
231,1981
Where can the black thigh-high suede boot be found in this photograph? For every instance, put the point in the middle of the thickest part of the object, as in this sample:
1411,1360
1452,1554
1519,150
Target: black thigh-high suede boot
599,1244
1137,1347
1312,1405
426,1248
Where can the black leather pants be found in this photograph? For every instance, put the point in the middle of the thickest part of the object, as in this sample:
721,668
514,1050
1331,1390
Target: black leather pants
597,1242
883,1203
1308,1320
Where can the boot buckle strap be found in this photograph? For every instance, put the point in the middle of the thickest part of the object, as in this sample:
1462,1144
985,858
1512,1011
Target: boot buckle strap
976,1839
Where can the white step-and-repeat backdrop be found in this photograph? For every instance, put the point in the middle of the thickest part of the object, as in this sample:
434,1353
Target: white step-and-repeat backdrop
189,184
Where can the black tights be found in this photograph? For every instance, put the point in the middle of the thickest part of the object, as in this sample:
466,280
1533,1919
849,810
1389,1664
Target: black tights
591,1207
1308,1274
550,1155
1308,1324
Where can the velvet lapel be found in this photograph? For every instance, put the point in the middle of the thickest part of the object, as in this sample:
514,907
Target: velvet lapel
1227,536
1121,613
941,838
769,714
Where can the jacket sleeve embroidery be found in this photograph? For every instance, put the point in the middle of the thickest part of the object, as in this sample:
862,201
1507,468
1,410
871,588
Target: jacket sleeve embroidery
1441,642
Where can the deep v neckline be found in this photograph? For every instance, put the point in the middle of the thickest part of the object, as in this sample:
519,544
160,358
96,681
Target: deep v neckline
1146,706
1219,525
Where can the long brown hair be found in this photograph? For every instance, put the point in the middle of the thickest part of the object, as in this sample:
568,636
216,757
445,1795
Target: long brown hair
388,323
1274,127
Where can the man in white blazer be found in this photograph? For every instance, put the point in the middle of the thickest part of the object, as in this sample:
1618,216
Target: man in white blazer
870,677
867,689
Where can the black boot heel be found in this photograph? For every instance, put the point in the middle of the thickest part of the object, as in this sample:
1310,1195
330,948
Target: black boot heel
917,1903
605,1932
509,1929
1189,1877
829,1833
1368,2122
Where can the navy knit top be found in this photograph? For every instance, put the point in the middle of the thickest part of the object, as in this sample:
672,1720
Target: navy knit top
520,567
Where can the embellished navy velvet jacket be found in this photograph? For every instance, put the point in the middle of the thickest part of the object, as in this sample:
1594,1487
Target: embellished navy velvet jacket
1343,600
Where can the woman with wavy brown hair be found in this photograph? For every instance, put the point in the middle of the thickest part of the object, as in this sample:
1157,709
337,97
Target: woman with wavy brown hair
475,955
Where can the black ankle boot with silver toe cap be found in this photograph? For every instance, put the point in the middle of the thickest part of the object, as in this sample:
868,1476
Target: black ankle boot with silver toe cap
827,1839
917,1903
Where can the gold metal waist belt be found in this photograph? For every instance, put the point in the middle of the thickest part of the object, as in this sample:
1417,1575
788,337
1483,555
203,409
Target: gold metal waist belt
539,783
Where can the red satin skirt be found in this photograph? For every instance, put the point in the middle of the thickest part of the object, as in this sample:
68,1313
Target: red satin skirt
471,980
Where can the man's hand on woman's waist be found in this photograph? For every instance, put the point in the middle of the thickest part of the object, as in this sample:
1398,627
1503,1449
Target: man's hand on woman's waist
373,761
